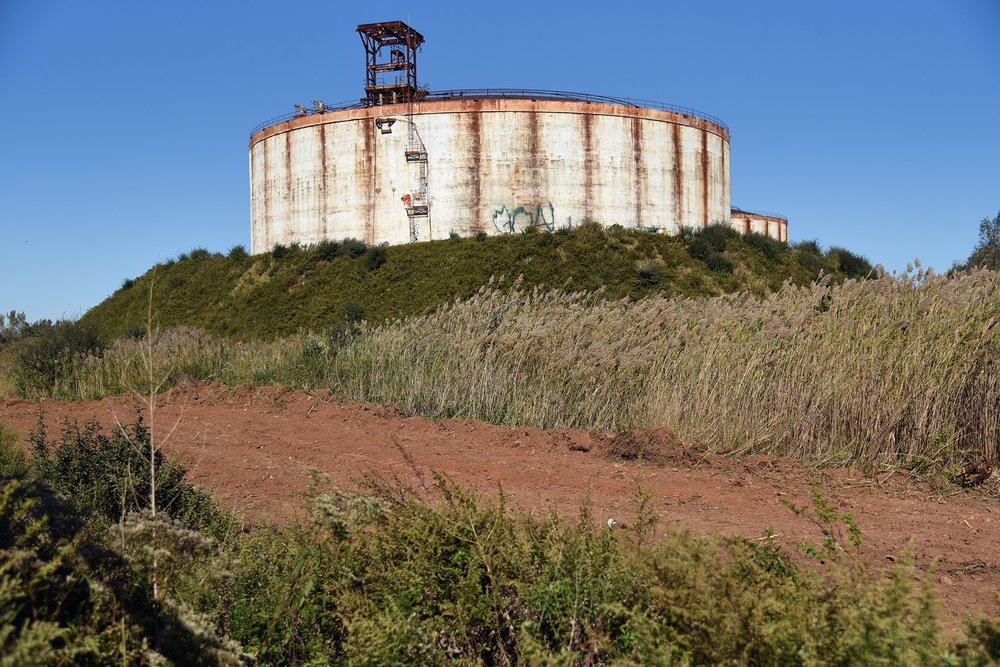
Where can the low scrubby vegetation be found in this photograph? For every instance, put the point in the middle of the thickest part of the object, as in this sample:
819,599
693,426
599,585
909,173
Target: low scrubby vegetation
294,288
383,576
986,254
885,372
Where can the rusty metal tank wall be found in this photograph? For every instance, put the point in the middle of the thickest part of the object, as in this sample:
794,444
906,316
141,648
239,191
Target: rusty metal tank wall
772,225
493,165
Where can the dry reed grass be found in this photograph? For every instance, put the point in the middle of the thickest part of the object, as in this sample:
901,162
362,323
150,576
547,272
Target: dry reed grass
884,372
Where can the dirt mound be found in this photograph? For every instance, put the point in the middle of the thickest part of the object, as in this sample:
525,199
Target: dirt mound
255,448
657,447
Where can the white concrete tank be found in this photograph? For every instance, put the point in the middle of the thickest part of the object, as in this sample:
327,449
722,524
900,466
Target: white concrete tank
485,161
771,224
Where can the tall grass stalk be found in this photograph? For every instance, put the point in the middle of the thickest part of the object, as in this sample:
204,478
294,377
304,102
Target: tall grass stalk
889,371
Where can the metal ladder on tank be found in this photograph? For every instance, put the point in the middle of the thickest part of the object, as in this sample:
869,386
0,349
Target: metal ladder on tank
418,205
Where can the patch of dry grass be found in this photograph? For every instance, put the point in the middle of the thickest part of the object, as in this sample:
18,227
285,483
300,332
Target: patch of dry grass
891,371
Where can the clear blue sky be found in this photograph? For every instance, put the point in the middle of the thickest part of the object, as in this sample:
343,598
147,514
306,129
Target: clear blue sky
871,125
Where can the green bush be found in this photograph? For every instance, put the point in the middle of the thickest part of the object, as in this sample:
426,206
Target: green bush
238,252
375,257
353,248
199,254
379,580
809,246
771,248
14,326
851,264
719,263
110,474
717,235
700,248
981,647
327,250
650,273
986,254
136,332
812,262
353,313
279,251
67,596
51,353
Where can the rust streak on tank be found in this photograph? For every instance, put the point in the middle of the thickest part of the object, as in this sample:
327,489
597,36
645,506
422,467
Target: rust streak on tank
368,156
476,134
588,166
678,176
534,170
638,173
323,189
266,198
722,171
704,178
290,202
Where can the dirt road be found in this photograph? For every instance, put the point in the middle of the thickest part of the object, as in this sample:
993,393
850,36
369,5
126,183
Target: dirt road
254,448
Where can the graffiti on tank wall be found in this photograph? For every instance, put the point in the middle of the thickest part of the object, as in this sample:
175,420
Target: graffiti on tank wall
512,220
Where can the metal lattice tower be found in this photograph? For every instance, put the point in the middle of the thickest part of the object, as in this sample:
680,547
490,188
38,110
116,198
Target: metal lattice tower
391,78
390,74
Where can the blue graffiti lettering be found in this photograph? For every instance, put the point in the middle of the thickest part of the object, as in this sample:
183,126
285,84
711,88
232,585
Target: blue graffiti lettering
510,221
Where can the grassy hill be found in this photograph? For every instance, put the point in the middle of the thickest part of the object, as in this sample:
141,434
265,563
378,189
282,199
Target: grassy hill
294,289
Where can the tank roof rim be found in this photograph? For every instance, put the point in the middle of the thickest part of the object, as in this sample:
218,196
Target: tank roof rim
511,94
763,214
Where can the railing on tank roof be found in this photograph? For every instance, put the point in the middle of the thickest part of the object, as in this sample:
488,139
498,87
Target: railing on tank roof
338,106
737,209
527,93
508,93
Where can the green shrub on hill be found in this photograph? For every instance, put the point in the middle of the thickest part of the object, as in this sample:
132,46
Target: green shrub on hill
849,263
771,248
292,289
109,474
50,352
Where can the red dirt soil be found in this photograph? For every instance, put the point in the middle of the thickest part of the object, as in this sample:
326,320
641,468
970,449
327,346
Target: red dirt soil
254,448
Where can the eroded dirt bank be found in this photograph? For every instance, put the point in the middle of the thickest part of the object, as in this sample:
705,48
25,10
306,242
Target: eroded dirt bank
254,447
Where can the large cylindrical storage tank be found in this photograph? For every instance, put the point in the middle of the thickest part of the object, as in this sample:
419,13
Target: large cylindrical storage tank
769,224
484,164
